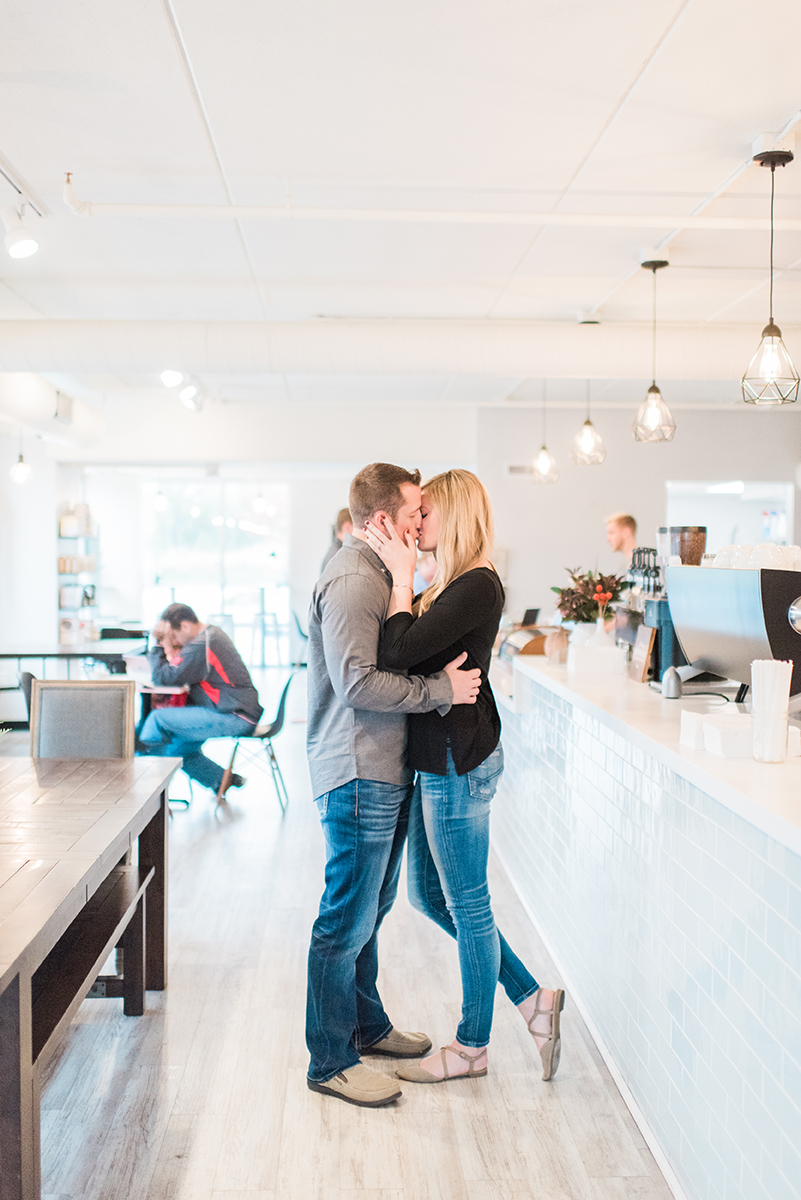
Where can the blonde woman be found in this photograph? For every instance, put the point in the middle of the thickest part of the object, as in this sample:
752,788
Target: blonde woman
459,762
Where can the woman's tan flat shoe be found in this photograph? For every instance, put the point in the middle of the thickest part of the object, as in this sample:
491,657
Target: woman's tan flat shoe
421,1075
551,1051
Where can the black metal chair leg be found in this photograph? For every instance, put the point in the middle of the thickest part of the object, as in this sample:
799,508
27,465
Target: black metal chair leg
278,778
228,775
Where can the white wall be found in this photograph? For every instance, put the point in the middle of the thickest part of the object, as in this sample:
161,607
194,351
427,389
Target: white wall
115,501
313,506
546,528
28,560
164,431
289,440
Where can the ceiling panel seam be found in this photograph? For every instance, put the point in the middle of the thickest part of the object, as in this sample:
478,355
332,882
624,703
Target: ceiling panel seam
763,283
612,118
674,233
194,88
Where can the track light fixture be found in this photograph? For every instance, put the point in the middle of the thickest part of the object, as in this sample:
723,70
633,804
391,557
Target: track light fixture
191,397
653,422
19,241
171,379
771,377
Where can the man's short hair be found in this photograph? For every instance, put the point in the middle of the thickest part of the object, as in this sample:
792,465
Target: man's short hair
174,614
624,519
379,487
343,517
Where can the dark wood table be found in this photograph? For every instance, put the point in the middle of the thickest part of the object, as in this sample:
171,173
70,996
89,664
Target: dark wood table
107,650
66,899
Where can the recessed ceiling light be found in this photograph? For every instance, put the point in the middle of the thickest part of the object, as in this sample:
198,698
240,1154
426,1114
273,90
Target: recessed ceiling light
171,378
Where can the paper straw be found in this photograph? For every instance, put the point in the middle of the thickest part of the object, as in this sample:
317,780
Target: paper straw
770,686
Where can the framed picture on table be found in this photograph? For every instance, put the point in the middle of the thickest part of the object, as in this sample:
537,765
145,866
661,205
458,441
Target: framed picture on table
641,656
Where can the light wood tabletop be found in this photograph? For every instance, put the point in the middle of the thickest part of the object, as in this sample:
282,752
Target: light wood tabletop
69,892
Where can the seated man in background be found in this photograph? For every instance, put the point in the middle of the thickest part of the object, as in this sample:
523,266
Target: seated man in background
222,700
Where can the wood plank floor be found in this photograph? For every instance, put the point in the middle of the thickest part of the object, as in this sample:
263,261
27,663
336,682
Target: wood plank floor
205,1098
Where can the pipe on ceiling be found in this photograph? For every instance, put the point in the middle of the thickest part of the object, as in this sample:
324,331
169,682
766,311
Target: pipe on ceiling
526,349
35,406
258,212
288,212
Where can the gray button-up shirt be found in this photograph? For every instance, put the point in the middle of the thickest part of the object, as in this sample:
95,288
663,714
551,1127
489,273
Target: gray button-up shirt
357,709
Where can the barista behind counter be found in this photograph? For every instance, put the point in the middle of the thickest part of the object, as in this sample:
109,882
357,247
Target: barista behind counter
621,534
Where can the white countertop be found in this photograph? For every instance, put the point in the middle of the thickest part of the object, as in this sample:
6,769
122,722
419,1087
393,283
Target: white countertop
768,795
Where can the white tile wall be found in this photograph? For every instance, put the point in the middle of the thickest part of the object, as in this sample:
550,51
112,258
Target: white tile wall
679,925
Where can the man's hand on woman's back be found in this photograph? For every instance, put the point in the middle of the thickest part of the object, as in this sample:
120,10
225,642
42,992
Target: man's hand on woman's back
465,684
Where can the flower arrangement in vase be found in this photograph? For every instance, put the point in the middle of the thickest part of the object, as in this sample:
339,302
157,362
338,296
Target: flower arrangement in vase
585,601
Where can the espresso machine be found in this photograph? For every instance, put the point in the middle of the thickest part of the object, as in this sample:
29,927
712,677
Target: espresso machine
647,602
685,543
725,618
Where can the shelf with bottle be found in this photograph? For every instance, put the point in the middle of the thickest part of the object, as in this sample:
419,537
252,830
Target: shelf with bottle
76,567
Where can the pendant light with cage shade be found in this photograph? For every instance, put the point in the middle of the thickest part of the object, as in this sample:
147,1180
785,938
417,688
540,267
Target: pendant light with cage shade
545,468
588,450
771,377
653,422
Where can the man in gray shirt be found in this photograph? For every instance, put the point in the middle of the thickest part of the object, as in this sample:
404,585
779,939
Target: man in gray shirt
356,748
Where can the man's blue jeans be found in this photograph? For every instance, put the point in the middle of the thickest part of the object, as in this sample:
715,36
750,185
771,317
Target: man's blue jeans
365,825
447,878
181,732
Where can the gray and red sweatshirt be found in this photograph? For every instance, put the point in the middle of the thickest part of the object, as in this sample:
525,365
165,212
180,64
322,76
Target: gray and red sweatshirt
218,678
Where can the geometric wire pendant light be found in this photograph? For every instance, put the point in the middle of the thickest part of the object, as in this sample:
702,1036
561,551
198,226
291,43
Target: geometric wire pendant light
588,450
771,377
545,468
653,422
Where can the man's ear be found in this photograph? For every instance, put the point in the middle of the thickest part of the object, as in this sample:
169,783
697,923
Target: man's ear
380,518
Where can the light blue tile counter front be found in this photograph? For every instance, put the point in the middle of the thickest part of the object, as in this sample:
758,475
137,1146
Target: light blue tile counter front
667,885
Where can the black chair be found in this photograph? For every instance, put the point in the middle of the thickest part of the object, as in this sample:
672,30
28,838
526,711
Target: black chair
25,685
265,735
303,639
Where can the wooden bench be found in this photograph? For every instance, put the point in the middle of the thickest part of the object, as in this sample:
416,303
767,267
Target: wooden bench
68,896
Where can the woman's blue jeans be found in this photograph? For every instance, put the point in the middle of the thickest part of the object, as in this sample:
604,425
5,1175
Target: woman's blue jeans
447,876
365,824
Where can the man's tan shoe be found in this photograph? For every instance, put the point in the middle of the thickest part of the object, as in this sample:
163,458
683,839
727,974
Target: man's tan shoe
400,1045
359,1085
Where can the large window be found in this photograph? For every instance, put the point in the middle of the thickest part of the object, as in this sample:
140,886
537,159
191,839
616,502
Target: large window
221,546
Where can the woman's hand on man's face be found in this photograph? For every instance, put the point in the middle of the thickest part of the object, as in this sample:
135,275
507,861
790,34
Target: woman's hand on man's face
398,554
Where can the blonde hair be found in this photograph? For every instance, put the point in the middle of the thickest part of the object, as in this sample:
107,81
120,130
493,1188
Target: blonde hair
466,529
626,520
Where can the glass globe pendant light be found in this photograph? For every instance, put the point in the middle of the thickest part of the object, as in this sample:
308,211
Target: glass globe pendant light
653,422
588,450
771,377
20,471
545,468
